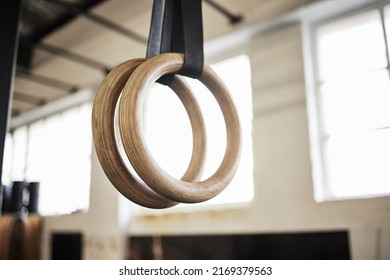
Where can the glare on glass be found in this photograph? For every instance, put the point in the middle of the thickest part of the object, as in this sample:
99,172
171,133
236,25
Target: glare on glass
349,46
354,101
359,165
356,104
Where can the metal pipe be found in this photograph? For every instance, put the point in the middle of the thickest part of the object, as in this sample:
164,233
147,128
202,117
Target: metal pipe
234,19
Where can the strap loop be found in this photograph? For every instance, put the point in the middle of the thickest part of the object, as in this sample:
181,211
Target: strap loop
191,11
178,28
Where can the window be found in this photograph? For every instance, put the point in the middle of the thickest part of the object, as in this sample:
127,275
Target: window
352,105
168,130
55,151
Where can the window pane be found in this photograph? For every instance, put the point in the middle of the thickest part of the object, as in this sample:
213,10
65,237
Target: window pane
353,97
35,157
65,147
351,45
387,21
361,103
55,152
19,154
168,131
7,162
359,165
236,74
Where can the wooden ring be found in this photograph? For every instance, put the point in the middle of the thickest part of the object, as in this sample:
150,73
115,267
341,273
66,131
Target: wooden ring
130,124
106,146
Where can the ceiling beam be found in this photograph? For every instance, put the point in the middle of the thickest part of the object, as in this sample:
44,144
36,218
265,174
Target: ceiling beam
27,74
66,54
28,98
100,20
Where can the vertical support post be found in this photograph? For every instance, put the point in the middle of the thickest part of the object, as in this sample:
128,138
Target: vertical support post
9,22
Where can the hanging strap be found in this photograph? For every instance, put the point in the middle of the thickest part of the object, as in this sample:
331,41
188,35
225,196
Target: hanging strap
191,11
178,28
155,31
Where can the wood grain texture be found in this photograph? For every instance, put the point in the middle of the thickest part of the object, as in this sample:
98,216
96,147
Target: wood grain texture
103,117
7,223
130,124
30,237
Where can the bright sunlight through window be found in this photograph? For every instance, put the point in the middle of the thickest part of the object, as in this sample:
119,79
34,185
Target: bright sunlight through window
353,98
168,130
56,152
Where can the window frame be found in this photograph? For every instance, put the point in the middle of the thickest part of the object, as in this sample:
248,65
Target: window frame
317,134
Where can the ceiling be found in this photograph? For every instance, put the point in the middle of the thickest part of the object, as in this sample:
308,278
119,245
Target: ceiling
67,45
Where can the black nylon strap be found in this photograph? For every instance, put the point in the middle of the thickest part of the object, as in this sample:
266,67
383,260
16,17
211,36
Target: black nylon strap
171,37
154,40
178,28
191,11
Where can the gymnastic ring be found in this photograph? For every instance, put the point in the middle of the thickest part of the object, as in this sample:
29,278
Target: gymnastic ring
130,124
103,112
